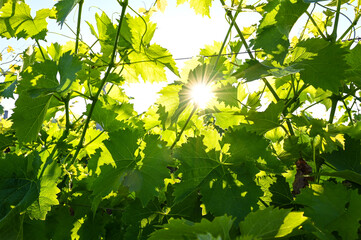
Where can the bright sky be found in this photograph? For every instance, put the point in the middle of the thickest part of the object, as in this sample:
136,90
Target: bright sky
179,30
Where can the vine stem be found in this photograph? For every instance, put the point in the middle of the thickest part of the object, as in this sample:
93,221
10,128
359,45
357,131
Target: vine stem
184,127
351,26
348,111
269,86
41,51
337,18
315,24
78,26
333,108
96,96
225,39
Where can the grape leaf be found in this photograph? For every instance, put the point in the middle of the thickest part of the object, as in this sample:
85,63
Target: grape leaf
267,120
246,146
28,116
196,165
205,171
238,195
17,21
281,193
184,229
253,70
63,8
18,190
347,159
68,67
323,65
270,223
7,88
199,6
48,191
106,113
146,179
141,175
354,62
276,24
227,94
332,207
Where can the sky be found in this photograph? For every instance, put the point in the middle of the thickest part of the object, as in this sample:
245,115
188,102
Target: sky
179,30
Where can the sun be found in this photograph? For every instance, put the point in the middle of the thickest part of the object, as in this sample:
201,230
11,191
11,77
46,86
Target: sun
201,94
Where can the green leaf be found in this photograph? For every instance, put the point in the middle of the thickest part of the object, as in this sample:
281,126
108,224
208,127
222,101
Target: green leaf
227,94
270,223
205,171
29,116
199,6
332,207
196,165
323,65
354,62
276,24
141,175
68,67
253,70
345,174
18,185
48,191
281,193
146,179
348,158
184,229
239,195
109,115
7,88
63,8
17,21
246,146
267,120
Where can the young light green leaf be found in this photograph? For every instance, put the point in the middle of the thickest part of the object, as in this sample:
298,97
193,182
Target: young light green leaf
29,115
183,229
270,223
68,67
199,6
275,26
332,207
48,191
63,8
17,21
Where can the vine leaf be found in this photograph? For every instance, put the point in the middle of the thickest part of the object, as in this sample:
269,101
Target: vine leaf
227,94
48,191
205,171
323,65
143,175
16,21
246,146
184,229
199,6
332,207
348,158
63,8
68,67
7,88
281,193
196,165
267,120
354,61
276,24
28,116
257,225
